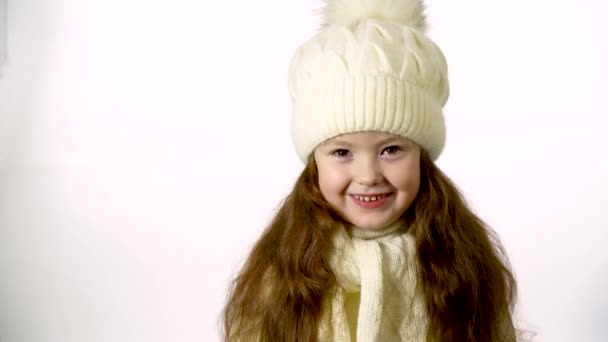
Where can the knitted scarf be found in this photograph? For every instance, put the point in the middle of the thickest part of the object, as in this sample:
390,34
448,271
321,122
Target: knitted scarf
377,298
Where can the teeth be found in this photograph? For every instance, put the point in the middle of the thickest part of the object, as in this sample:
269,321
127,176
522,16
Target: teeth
369,198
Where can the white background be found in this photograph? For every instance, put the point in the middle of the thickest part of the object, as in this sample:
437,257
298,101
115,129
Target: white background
145,144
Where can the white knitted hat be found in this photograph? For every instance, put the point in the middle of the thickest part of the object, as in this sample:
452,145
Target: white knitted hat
369,68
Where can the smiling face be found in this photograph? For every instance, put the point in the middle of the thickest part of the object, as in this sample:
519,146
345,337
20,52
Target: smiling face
369,178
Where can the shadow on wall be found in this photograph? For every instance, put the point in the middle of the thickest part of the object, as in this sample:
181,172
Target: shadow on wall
29,26
3,26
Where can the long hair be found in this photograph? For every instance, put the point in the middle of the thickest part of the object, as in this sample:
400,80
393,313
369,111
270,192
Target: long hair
278,294
465,278
469,289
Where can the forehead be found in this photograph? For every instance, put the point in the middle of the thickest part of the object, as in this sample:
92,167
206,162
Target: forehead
363,139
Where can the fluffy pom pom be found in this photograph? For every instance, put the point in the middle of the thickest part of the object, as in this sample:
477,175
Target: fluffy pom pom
350,12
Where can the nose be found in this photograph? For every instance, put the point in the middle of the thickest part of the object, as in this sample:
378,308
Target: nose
368,172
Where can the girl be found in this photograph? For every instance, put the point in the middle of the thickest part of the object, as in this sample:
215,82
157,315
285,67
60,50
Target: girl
374,243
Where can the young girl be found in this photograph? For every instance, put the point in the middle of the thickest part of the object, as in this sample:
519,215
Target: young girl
374,243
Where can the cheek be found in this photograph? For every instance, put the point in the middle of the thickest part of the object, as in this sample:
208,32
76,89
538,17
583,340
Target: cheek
332,181
406,178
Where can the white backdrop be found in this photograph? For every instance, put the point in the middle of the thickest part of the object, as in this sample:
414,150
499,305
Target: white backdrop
145,144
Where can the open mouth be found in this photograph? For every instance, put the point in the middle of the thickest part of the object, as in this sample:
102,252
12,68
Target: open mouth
371,198
371,201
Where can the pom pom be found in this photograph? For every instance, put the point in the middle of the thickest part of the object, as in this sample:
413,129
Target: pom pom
351,12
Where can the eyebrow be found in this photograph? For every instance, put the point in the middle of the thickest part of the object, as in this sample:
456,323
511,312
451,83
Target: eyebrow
339,142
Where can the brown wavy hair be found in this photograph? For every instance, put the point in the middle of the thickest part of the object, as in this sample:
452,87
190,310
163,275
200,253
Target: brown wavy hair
465,277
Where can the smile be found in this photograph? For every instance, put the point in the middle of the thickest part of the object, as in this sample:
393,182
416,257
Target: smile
370,198
371,201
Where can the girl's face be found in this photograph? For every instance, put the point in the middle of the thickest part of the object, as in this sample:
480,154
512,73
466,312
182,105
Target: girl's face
369,178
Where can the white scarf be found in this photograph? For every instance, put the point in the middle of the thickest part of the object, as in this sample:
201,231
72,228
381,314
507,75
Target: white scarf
381,266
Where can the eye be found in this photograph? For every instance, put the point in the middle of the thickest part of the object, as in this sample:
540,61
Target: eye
340,152
392,150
